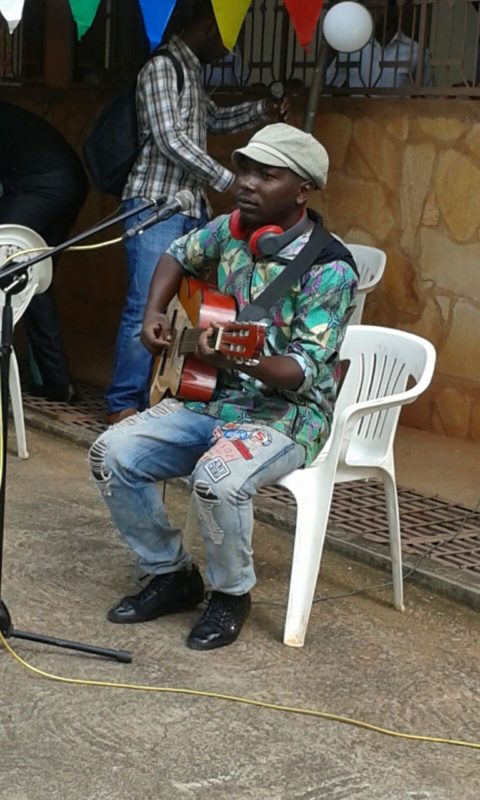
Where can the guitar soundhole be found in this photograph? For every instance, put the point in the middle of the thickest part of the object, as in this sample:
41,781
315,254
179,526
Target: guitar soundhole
173,322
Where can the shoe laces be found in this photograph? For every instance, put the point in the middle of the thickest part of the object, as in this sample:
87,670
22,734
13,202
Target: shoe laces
153,585
220,609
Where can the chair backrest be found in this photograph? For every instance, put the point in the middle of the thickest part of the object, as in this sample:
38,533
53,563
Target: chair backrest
371,266
383,363
13,239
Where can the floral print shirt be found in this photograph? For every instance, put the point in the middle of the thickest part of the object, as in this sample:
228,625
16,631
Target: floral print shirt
307,324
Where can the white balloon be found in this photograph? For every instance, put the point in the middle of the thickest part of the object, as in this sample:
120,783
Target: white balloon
347,26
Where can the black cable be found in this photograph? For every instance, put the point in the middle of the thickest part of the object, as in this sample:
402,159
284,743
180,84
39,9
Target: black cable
386,584
319,599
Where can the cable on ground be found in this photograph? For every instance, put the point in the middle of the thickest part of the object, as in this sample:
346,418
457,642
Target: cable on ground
238,699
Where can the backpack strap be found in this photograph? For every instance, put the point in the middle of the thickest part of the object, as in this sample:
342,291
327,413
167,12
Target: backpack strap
164,51
307,256
318,250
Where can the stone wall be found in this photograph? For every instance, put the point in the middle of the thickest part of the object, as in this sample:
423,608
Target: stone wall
405,176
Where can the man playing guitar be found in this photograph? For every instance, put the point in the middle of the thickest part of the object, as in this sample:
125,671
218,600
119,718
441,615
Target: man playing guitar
268,415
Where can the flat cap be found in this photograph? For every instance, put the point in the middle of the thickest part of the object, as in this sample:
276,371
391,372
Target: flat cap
282,145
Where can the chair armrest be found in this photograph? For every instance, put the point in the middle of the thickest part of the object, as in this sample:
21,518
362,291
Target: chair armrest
368,286
344,425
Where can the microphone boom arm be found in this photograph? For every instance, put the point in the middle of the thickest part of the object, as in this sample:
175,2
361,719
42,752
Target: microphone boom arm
16,267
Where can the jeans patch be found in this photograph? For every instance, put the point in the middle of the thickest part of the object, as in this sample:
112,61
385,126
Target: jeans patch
216,469
233,439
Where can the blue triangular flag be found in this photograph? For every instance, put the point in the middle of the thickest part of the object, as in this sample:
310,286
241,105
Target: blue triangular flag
156,14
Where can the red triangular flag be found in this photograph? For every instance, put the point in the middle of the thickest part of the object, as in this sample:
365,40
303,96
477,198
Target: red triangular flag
304,15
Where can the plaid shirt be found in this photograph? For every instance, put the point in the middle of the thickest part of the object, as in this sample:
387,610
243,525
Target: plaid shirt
173,128
308,324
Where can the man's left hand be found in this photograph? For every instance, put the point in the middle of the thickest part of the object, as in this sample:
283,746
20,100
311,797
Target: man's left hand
278,110
205,352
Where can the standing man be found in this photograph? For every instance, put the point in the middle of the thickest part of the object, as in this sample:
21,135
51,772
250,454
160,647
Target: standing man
263,421
43,186
174,115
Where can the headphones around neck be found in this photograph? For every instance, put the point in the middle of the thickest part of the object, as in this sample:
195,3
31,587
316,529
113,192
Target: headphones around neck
269,239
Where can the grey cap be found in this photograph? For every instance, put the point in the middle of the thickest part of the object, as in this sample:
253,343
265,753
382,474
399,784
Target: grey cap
283,145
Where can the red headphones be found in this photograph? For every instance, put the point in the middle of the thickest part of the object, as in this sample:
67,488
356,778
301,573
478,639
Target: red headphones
269,239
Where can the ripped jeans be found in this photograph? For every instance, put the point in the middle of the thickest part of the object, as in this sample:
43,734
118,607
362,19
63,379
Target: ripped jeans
226,462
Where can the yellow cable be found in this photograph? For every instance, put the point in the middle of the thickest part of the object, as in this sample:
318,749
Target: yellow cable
237,699
47,250
95,246
24,253
1,450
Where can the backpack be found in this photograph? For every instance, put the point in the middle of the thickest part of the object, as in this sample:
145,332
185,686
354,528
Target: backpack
112,146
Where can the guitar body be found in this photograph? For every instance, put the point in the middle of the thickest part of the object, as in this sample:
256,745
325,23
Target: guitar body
196,306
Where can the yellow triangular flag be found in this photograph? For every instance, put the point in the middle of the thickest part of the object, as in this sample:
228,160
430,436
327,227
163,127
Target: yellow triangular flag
230,16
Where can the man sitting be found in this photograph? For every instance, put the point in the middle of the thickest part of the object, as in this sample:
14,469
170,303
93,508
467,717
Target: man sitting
263,421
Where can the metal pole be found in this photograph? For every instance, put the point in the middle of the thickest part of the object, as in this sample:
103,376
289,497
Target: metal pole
316,87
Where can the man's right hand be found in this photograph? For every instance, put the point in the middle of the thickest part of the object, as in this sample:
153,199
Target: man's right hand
156,332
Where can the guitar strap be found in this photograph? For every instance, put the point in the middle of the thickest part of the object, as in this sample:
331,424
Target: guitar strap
321,248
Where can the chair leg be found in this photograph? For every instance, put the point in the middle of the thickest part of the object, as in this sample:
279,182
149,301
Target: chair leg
313,507
17,406
393,514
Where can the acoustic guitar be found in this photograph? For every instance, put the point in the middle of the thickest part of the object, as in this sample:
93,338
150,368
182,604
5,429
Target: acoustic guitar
176,371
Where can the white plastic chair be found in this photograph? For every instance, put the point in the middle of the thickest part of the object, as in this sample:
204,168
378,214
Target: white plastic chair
371,266
381,362
14,238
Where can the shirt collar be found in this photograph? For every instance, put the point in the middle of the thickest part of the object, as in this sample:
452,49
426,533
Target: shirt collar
187,55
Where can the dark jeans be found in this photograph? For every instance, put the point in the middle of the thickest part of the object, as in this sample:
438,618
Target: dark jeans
51,214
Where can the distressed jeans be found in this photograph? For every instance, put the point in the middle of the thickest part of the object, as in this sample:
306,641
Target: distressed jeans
226,462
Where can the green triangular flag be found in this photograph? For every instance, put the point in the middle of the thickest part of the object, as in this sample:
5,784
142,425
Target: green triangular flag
84,13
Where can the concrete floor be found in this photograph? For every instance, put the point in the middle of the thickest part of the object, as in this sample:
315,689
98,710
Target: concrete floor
64,566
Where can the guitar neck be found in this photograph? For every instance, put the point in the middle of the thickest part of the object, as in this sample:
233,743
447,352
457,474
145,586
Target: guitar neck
242,341
189,341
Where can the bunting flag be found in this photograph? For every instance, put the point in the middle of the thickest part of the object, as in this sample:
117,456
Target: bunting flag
156,19
230,17
304,15
12,11
84,12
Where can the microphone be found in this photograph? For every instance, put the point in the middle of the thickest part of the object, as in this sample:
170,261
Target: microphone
148,202
277,93
181,202
277,90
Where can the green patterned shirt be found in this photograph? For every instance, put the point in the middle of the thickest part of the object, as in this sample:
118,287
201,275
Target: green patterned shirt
307,324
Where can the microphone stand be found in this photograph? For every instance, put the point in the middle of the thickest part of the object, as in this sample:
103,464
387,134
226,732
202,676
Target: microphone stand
12,280
52,251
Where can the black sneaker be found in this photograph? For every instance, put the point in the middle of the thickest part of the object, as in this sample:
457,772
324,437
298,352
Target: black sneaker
164,594
221,622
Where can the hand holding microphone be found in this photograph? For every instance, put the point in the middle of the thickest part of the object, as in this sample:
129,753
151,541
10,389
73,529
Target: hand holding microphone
278,105
181,202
